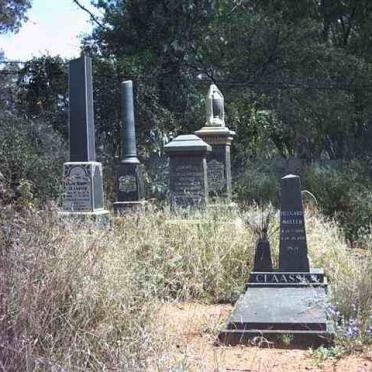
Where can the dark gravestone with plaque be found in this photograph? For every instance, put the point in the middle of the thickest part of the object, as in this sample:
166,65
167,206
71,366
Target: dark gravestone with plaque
188,182
130,192
83,194
219,137
293,247
289,301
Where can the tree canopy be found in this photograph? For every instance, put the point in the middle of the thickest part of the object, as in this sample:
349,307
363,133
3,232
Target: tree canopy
12,13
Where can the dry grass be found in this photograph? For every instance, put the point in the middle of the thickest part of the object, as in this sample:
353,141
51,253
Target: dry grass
79,298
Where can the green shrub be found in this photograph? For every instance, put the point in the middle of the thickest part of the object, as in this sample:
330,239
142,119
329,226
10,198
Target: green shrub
344,193
257,182
31,153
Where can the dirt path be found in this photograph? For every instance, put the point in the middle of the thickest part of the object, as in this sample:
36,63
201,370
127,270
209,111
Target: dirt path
189,331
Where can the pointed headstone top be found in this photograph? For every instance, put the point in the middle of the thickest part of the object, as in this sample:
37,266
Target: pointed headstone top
215,109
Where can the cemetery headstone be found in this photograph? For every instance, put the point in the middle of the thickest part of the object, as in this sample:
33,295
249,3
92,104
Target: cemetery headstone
83,194
188,182
289,301
293,246
130,191
216,134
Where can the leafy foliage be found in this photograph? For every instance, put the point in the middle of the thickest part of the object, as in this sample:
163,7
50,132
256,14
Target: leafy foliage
31,156
12,13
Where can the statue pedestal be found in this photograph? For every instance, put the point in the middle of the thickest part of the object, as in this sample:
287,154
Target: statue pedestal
130,192
218,160
83,193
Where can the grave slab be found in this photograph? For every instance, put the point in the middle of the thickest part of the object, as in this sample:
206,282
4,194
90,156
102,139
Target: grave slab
273,311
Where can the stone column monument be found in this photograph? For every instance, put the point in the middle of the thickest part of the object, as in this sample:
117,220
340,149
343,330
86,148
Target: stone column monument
83,193
216,134
130,193
188,183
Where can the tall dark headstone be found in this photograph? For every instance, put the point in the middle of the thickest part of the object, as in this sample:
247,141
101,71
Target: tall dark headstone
219,137
188,182
83,194
81,116
130,192
293,246
289,301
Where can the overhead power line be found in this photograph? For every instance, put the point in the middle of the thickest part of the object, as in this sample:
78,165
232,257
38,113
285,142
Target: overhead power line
294,84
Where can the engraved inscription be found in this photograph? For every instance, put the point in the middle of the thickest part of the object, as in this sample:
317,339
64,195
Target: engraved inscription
127,183
187,185
78,188
285,278
292,229
216,175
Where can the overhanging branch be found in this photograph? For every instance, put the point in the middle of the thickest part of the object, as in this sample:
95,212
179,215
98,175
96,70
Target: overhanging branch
91,15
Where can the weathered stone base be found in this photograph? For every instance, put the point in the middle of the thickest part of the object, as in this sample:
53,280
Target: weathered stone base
83,187
100,218
122,208
218,161
281,311
301,338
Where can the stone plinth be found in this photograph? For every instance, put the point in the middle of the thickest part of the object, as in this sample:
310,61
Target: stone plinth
83,190
278,304
130,189
218,160
188,183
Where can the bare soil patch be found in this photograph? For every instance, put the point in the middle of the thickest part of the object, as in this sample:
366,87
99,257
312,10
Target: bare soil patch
189,331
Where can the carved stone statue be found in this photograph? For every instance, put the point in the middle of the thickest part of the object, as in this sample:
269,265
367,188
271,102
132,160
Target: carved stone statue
215,108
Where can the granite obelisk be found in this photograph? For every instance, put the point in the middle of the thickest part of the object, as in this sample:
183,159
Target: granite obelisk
293,246
83,194
130,190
